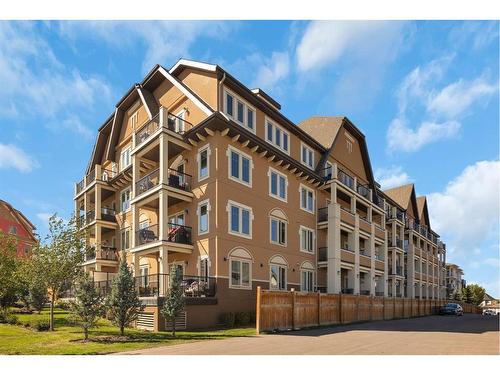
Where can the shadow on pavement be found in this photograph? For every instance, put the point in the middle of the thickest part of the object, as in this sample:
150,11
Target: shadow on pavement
469,323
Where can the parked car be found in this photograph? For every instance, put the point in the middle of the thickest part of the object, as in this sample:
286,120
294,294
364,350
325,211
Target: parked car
489,312
451,309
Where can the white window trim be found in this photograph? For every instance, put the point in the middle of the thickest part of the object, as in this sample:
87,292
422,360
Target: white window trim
271,217
313,278
198,213
272,170
129,149
301,227
129,188
246,106
303,145
241,260
241,153
240,205
273,141
286,276
198,159
302,186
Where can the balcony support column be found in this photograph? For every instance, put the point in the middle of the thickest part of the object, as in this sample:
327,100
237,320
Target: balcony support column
163,175
98,239
372,260
163,216
136,164
163,270
136,261
356,254
385,251
411,266
97,201
135,224
333,243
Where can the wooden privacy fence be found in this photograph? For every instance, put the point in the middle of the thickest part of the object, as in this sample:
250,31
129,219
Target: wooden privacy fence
285,310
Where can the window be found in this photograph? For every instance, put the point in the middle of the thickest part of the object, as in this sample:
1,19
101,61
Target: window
203,163
13,230
328,170
240,273
240,219
306,199
133,120
125,200
277,279
277,136
306,280
177,121
278,231
306,239
125,159
239,111
240,166
203,268
203,210
307,156
125,238
144,276
278,183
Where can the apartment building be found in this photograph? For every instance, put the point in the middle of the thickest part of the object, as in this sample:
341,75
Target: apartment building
15,224
454,281
195,170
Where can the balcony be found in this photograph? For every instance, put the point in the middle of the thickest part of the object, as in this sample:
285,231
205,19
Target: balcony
398,270
104,253
345,179
174,123
322,254
398,243
347,291
175,179
191,286
322,214
180,234
97,173
364,292
379,294
108,214
147,182
364,191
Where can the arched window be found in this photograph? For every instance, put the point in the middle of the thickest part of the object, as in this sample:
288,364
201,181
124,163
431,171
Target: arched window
278,223
240,268
143,221
307,277
278,267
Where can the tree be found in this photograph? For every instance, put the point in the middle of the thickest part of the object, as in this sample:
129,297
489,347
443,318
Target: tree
476,293
88,305
31,287
56,260
467,295
9,265
174,301
123,301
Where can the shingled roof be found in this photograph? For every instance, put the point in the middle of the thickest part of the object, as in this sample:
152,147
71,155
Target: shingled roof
323,129
401,194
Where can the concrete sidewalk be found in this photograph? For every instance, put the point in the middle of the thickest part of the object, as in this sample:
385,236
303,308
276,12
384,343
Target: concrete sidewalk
469,334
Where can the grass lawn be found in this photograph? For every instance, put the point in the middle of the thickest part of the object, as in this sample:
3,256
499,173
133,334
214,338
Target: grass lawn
103,339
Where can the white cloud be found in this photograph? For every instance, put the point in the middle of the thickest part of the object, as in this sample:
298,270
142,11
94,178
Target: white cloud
391,177
456,98
401,137
13,157
165,41
35,83
272,70
466,213
440,109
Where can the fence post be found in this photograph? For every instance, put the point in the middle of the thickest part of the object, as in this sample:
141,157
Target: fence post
319,308
341,320
257,312
293,308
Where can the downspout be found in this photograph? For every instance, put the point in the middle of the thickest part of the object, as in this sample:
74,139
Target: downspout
220,92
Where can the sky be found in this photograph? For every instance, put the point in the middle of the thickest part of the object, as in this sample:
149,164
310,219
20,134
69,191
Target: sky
425,94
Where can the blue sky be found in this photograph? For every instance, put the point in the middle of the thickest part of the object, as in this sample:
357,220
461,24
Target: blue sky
424,93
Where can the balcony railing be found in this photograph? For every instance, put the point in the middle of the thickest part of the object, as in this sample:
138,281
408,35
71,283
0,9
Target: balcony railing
89,216
345,179
179,234
345,246
364,191
379,294
364,292
179,180
97,173
398,243
322,214
147,182
147,130
191,286
364,252
146,235
322,254
104,253
80,186
108,214
347,291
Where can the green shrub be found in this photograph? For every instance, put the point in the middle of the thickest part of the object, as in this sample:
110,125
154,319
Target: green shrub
242,319
229,319
41,325
63,305
12,319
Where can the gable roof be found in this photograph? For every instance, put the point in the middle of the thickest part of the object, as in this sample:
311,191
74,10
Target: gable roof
322,128
403,195
423,212
20,218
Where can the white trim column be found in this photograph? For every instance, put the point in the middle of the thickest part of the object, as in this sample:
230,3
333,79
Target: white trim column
372,258
356,254
333,242
163,270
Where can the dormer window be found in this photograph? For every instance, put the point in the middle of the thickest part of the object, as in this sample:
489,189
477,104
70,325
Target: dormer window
239,110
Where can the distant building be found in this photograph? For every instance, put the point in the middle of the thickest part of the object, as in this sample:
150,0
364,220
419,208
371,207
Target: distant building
454,281
490,303
13,222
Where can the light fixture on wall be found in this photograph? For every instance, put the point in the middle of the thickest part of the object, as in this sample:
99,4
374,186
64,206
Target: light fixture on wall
225,259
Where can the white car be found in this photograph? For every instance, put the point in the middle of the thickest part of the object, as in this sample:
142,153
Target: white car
489,312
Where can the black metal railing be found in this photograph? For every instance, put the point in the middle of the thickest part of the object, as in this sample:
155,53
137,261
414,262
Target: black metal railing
146,235
178,124
345,179
345,246
322,214
398,243
327,173
108,214
148,129
80,220
347,291
363,190
179,234
364,292
147,182
379,294
179,180
89,216
364,252
80,186
322,254
104,253
90,177
192,286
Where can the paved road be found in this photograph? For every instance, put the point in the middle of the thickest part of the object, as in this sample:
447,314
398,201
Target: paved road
469,334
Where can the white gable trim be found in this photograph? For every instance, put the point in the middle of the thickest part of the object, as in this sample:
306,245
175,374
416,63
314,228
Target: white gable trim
150,115
193,64
186,92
